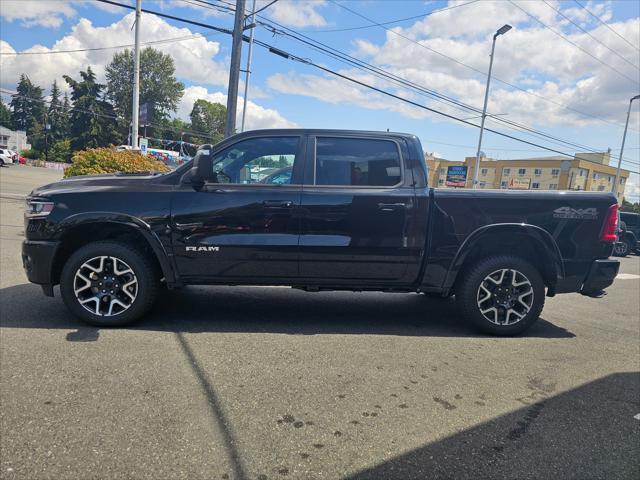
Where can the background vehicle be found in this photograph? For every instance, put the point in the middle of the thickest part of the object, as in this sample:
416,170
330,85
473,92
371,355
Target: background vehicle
630,234
6,156
356,214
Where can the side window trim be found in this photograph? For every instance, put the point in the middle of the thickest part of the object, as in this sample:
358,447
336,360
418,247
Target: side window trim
314,145
298,162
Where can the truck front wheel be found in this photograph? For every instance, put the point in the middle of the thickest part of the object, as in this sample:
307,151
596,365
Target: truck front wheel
501,295
108,284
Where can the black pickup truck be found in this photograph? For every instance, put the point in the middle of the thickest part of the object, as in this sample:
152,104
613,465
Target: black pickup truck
315,210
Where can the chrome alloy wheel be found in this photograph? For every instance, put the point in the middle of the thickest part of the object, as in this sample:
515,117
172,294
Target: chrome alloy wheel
505,296
105,286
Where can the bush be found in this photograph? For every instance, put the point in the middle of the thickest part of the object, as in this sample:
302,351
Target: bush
31,153
108,160
60,151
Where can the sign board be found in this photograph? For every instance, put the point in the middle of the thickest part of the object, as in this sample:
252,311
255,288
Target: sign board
144,114
144,144
456,176
520,183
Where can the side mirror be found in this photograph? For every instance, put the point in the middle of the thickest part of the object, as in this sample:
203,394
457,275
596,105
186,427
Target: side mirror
202,165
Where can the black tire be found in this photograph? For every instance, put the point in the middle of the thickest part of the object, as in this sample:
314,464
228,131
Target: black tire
468,295
621,249
141,267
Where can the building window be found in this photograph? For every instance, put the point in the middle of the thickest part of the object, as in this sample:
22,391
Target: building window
484,171
522,171
503,184
538,172
506,171
553,186
441,182
601,188
581,174
595,175
555,172
535,185
621,181
442,171
4,141
483,184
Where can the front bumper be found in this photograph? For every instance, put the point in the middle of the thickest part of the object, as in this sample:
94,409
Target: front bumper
37,260
601,274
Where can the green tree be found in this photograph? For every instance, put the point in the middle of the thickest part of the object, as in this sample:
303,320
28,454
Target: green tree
55,115
158,85
209,118
60,151
65,119
93,121
5,115
27,105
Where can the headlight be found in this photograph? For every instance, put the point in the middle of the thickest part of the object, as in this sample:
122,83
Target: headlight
38,208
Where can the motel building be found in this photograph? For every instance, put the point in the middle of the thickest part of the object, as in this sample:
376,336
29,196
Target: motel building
586,171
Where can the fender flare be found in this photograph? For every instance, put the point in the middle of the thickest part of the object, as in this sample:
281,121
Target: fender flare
542,238
131,221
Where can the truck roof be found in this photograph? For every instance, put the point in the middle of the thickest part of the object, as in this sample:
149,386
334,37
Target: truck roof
325,131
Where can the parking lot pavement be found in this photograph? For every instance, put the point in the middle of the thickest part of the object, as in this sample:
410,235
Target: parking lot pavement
273,383
18,180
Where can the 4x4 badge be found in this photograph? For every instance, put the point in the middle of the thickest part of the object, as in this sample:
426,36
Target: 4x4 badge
577,213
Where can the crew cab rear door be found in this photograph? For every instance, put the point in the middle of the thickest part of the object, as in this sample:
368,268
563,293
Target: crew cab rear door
245,225
356,209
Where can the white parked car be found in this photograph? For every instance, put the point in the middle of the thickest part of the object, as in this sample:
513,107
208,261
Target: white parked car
6,156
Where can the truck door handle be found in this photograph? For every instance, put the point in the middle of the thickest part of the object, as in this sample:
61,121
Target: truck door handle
188,226
391,207
277,203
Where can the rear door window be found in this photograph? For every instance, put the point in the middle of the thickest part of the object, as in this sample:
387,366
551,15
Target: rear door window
359,162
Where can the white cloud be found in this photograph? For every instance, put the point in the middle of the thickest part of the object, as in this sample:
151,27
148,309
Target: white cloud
530,56
194,57
257,116
295,13
43,13
632,188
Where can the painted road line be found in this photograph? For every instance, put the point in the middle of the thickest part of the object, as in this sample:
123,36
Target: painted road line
627,276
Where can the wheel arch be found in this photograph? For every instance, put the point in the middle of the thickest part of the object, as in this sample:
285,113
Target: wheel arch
526,241
83,229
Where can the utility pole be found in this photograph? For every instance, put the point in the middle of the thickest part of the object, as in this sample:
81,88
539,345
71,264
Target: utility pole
247,73
614,188
136,79
501,31
234,70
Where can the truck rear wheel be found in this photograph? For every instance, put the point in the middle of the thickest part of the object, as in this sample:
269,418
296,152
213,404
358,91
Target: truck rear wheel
108,284
501,295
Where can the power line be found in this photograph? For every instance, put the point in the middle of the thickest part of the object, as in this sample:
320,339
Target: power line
587,33
573,43
605,24
287,55
265,7
114,47
399,20
439,97
504,82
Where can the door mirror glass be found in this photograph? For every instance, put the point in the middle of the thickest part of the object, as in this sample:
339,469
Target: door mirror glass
202,171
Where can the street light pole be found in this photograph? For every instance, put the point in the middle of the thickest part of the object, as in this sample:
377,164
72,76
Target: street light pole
247,73
614,189
501,31
234,70
136,79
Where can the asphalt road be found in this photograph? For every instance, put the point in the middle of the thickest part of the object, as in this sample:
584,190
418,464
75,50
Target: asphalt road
272,383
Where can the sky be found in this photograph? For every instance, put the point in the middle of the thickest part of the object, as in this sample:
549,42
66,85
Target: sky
567,69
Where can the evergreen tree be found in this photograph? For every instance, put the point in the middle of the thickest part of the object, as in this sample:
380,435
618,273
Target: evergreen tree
65,120
55,115
27,105
93,121
5,115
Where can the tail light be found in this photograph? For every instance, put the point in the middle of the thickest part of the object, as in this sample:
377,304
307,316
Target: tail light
608,233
